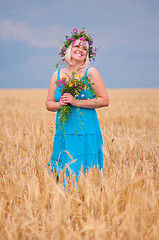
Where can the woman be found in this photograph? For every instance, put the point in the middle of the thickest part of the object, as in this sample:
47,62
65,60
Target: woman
77,147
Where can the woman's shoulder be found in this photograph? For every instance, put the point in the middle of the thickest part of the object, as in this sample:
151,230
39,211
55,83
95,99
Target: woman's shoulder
59,70
63,69
92,70
54,76
55,73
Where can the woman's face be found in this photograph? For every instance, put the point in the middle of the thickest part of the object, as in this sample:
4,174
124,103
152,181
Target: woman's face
79,52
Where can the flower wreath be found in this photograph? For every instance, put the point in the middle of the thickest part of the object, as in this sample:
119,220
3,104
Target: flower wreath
71,39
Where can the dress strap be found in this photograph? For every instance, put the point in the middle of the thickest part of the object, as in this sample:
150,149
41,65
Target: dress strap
58,74
87,71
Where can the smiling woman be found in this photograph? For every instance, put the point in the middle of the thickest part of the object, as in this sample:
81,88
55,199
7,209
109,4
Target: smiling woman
76,49
78,87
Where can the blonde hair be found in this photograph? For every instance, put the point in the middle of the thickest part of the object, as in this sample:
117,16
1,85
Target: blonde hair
68,52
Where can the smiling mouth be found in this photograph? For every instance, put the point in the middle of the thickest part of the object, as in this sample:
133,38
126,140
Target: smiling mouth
78,54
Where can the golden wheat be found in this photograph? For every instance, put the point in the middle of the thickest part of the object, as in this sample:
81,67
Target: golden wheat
122,204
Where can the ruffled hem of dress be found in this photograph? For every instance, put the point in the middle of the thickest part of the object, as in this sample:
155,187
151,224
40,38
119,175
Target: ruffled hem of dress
63,133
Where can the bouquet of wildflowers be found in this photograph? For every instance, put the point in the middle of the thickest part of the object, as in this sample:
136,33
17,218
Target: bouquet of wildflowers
73,85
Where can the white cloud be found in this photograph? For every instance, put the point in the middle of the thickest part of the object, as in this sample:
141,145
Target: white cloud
34,35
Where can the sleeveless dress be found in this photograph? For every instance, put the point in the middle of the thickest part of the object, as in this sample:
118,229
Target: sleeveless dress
79,145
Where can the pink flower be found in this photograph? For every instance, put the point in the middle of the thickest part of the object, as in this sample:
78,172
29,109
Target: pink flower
83,38
72,39
60,53
65,83
75,30
60,81
63,59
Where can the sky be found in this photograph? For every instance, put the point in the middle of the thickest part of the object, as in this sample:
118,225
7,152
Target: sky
126,31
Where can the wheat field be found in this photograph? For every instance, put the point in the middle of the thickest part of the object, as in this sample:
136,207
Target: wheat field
121,204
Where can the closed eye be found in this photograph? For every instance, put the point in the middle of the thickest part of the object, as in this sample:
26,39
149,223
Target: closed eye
76,45
85,48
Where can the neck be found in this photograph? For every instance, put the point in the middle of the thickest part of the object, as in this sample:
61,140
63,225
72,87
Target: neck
76,64
73,67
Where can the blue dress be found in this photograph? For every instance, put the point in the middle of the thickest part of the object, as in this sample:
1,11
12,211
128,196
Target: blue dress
80,144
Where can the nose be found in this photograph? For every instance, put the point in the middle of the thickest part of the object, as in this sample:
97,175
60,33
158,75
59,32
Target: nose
80,47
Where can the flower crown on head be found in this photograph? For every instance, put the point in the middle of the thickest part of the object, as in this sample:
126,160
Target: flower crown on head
75,35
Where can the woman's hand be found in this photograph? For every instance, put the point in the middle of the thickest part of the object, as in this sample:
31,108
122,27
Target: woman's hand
62,102
68,98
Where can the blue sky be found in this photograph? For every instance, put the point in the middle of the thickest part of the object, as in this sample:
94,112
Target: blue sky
126,30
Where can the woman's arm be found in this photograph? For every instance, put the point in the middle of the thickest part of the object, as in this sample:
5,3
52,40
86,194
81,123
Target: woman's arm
51,105
102,99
